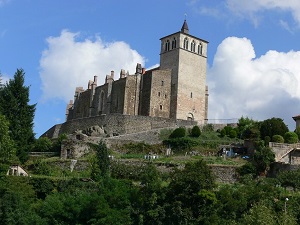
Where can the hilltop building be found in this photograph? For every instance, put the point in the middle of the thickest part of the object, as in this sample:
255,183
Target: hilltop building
174,91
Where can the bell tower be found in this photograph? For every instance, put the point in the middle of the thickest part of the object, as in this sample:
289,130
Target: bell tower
186,56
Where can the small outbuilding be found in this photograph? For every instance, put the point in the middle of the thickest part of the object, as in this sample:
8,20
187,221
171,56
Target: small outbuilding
16,170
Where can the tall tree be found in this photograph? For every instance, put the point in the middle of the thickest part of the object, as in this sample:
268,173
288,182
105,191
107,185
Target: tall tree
273,126
14,105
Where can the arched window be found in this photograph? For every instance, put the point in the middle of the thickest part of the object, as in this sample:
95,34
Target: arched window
193,46
185,43
200,49
174,43
101,103
167,46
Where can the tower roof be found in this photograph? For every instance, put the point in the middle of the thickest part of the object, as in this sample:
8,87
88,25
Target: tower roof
185,28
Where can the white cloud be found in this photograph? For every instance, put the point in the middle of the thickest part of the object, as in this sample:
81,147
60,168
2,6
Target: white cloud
260,88
253,8
68,63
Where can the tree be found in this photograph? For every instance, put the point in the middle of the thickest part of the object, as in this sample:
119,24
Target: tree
196,132
263,157
273,126
178,133
43,144
186,184
102,159
290,137
14,105
7,146
244,125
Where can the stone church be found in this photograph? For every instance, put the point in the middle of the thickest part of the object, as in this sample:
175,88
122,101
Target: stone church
174,91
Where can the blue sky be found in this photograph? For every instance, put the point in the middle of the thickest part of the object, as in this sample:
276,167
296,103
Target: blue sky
253,52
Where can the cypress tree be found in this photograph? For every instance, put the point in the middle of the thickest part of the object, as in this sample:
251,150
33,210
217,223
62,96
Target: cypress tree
14,105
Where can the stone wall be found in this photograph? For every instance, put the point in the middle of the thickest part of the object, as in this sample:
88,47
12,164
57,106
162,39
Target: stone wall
224,174
118,124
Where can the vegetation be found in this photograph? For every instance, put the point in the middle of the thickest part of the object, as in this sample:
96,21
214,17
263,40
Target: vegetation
14,99
104,191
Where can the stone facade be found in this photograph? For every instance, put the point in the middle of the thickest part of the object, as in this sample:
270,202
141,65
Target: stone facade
175,91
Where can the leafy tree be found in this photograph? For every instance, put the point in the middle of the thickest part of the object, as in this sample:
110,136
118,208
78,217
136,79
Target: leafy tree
290,137
244,126
196,132
273,126
187,185
102,159
267,140
278,138
43,144
178,133
263,157
7,147
14,99
232,134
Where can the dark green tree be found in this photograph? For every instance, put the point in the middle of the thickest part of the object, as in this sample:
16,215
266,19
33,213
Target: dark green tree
7,146
263,157
273,126
245,124
196,132
178,133
102,159
43,144
14,105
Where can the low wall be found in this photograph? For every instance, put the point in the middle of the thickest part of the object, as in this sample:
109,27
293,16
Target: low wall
116,124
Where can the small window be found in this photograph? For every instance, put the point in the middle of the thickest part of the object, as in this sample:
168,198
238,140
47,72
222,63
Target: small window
193,46
158,94
185,43
200,49
160,107
191,94
167,46
174,43
165,95
162,83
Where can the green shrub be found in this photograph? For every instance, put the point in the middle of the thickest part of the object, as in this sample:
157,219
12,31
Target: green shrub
178,133
180,144
232,134
290,137
43,144
267,140
223,133
278,138
195,132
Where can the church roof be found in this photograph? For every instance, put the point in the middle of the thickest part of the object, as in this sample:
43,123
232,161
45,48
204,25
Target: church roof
185,28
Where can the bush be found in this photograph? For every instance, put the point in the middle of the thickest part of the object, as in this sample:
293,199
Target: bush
278,138
178,133
43,144
196,132
180,144
290,137
232,134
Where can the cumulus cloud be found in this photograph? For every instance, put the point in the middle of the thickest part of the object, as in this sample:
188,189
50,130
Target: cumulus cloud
242,85
68,63
254,7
